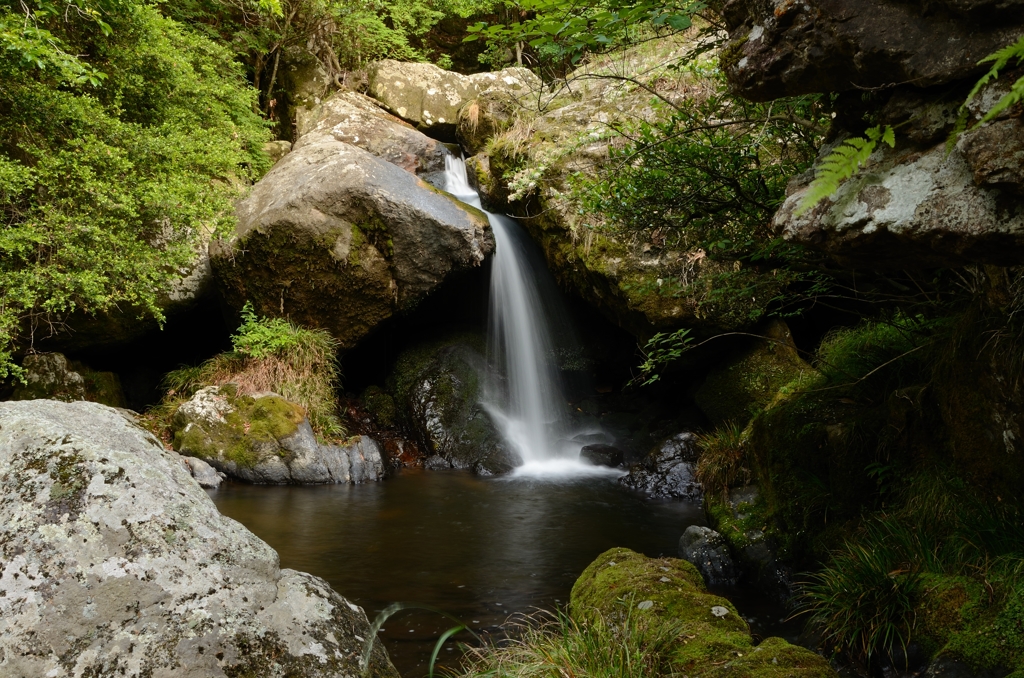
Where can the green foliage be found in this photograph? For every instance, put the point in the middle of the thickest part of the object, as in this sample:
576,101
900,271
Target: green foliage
999,61
125,139
661,350
261,338
842,163
565,32
722,463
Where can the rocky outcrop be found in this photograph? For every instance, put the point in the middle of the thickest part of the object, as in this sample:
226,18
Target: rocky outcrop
337,238
437,388
115,562
785,48
709,637
669,471
747,383
532,171
357,120
491,113
51,376
430,97
709,553
266,439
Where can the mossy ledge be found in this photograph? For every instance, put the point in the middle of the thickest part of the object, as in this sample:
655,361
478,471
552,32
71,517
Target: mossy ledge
711,637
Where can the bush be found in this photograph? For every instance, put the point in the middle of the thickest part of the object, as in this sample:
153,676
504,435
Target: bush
271,354
116,165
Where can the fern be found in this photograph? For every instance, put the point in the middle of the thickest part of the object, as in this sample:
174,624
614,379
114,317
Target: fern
999,60
842,163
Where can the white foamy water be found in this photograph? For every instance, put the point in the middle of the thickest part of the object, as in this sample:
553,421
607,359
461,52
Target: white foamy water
526,403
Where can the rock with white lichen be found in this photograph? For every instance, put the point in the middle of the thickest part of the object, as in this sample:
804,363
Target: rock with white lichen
113,561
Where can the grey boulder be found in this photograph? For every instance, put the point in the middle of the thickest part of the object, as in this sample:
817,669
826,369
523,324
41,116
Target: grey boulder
336,238
115,562
709,553
207,476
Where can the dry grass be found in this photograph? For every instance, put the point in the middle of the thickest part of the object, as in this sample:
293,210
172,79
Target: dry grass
722,462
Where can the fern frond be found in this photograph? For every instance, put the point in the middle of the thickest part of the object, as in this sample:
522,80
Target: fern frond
999,61
843,162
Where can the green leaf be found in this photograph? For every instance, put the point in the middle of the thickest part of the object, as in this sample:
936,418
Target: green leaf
844,162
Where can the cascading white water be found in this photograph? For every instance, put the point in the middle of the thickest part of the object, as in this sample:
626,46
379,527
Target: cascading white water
519,340
527,404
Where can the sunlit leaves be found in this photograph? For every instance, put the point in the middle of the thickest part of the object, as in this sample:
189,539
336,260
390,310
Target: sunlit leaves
844,162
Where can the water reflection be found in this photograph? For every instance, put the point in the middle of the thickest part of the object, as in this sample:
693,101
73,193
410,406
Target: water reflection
478,548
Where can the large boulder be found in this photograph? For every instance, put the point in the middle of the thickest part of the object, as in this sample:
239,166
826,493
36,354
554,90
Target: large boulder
115,562
786,48
747,383
51,376
914,207
437,388
267,439
358,120
709,637
492,112
337,238
669,471
430,97
708,551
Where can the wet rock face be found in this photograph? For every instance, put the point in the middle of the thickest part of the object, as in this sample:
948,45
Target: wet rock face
266,439
358,120
115,562
337,238
709,553
430,97
600,454
783,48
438,389
669,471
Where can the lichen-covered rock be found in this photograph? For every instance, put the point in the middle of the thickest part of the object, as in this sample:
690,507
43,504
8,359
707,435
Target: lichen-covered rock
337,238
438,389
713,640
267,439
915,209
785,48
357,120
113,561
708,551
430,97
669,471
739,388
51,376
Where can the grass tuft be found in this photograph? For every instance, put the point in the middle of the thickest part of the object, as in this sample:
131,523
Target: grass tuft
722,462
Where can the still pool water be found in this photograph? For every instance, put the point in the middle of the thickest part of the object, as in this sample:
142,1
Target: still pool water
480,549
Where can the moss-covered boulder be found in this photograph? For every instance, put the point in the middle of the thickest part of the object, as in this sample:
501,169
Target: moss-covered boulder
267,439
51,376
743,386
712,638
336,238
438,390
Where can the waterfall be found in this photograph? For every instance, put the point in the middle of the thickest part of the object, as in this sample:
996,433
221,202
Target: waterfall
526,401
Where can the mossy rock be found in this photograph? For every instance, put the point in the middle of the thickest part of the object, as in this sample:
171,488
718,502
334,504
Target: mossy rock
712,638
747,384
437,389
51,376
381,405
220,426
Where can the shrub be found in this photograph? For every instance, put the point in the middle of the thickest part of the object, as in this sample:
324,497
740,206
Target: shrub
272,354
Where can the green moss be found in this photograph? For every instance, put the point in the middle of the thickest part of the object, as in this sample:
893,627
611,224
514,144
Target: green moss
381,405
712,638
253,429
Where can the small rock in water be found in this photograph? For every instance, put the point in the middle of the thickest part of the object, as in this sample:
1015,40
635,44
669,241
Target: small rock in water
646,605
601,455
719,611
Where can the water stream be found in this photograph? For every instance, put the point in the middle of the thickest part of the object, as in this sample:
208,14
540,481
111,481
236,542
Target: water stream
524,396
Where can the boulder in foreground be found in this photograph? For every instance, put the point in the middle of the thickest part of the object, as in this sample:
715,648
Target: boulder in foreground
115,562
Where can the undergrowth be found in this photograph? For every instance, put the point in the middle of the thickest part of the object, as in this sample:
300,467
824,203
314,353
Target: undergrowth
722,462
553,645
269,355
